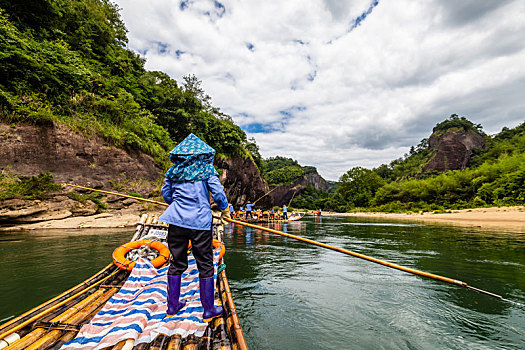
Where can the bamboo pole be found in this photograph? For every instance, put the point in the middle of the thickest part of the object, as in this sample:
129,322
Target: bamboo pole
33,336
141,346
377,261
237,329
118,346
264,195
175,343
293,195
128,344
206,341
158,342
117,194
220,334
191,343
361,256
67,336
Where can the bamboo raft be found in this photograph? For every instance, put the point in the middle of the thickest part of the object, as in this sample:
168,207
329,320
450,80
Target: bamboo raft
57,321
267,219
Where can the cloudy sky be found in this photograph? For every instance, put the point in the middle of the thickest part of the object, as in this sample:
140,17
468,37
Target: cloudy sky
341,83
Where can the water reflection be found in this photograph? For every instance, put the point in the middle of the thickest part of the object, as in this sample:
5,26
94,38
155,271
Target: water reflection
291,295
321,294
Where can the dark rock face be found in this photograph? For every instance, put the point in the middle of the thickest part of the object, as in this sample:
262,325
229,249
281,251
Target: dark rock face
452,150
70,157
283,193
241,180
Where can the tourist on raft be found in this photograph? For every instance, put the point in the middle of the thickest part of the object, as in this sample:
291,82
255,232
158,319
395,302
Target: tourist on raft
285,212
187,188
249,208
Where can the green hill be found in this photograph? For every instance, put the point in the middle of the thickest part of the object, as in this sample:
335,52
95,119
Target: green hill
494,176
66,61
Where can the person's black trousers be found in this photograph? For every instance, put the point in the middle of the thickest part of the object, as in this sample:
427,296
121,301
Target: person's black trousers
201,243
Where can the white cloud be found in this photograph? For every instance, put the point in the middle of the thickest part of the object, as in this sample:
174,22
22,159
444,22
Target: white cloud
357,97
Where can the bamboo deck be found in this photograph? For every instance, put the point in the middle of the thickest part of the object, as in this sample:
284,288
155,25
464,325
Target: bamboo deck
57,321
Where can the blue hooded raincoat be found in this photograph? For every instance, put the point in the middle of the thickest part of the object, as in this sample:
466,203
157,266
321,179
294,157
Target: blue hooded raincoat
188,185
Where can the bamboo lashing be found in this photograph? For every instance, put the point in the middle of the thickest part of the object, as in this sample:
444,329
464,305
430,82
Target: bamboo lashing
365,257
51,337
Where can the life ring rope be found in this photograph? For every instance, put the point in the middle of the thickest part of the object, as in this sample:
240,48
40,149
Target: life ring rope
119,255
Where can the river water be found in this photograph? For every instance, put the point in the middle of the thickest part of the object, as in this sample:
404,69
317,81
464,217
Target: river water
291,295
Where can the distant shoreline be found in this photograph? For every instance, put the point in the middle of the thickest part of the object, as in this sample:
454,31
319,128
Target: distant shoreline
504,219
507,219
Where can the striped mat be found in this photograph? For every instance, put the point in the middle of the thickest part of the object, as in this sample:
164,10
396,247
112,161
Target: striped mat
138,310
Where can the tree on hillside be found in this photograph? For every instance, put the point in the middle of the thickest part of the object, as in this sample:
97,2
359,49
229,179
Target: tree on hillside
358,186
458,123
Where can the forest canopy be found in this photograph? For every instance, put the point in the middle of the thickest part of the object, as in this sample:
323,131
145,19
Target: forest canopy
66,61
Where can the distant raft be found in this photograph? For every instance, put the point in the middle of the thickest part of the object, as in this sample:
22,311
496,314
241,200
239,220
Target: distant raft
266,216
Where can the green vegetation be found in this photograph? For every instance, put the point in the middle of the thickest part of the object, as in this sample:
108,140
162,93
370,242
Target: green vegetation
456,123
358,186
285,171
94,197
34,187
495,176
281,170
313,199
66,61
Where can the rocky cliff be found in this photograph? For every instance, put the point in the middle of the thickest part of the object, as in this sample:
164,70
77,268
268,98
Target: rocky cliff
241,179
452,150
282,194
73,158
69,156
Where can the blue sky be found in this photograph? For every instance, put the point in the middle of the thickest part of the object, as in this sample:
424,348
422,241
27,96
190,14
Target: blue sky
337,84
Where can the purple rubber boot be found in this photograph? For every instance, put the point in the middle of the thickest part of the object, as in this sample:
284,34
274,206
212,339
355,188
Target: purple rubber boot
174,305
207,293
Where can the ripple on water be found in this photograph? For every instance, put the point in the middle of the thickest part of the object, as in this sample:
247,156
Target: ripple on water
291,295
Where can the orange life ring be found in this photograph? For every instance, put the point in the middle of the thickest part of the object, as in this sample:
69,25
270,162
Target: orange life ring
119,255
216,244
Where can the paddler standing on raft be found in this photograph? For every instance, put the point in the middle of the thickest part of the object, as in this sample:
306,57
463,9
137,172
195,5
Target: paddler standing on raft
249,207
187,188
232,211
285,212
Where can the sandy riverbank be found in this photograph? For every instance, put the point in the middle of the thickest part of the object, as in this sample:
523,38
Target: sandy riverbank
508,219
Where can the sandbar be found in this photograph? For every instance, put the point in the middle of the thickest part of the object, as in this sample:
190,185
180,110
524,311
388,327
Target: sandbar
506,219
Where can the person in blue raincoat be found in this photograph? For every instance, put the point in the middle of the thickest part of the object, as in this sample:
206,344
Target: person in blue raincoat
249,208
187,188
